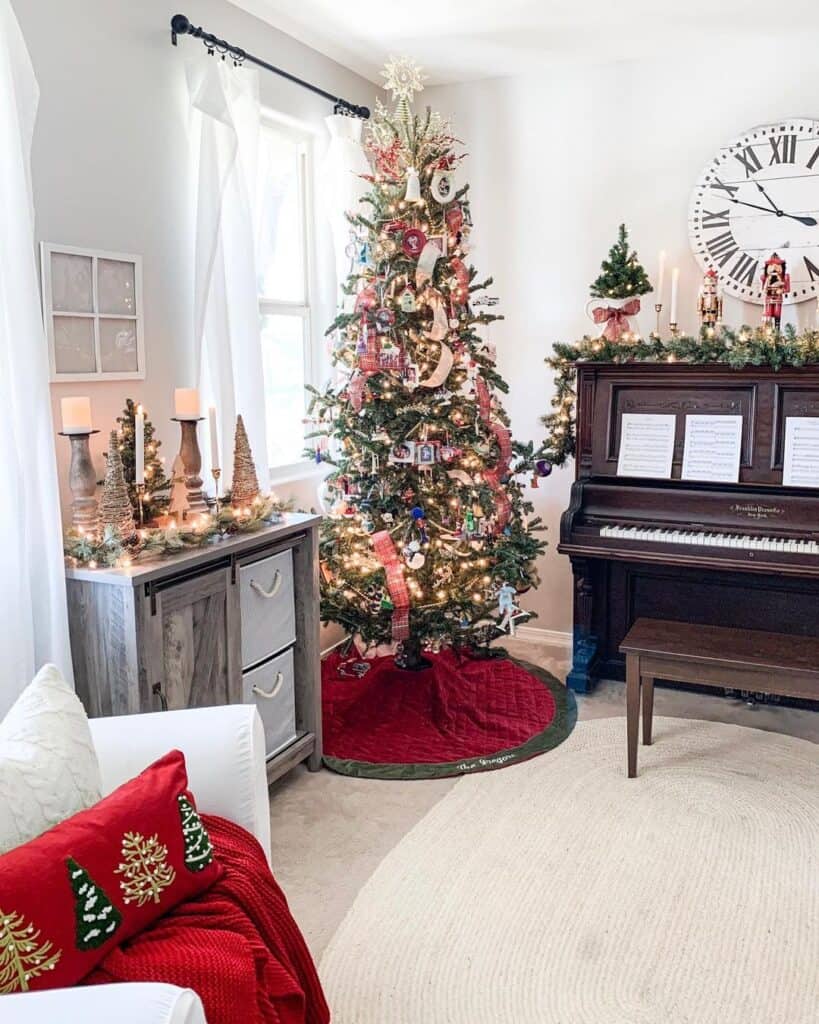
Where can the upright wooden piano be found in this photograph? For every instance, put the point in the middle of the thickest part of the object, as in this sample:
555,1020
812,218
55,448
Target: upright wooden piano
744,555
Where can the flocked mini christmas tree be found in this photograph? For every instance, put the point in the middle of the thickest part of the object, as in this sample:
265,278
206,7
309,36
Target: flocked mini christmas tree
622,276
115,507
95,916
428,522
155,498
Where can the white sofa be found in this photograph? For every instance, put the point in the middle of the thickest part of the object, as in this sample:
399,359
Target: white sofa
224,750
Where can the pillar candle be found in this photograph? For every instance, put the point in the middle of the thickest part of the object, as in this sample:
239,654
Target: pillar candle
139,444
186,403
214,443
675,284
76,415
660,276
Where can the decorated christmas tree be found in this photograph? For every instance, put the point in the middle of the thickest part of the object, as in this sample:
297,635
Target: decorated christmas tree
428,521
198,848
95,916
155,498
622,276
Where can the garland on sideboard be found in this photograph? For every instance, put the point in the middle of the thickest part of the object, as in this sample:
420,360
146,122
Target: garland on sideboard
747,346
108,548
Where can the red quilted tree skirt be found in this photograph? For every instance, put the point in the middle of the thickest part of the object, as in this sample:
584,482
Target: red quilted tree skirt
459,716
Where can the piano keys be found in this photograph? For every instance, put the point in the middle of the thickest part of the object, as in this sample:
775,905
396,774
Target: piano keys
744,554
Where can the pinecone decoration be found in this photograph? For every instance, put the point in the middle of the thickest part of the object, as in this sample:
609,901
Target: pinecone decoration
115,505
245,483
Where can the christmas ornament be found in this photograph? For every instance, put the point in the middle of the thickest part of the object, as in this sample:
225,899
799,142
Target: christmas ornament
407,300
454,220
384,319
413,242
413,193
403,77
430,253
709,300
776,283
245,488
115,505
441,186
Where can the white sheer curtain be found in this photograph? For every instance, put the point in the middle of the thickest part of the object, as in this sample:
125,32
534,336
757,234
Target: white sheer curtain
33,618
225,127
342,185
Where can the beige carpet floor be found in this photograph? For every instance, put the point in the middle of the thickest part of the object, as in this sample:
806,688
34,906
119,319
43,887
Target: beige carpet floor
330,833
559,892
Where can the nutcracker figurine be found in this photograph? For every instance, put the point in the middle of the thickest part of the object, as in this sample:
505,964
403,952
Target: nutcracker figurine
776,283
709,300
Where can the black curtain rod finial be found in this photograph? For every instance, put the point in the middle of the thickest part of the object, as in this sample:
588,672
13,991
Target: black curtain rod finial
181,26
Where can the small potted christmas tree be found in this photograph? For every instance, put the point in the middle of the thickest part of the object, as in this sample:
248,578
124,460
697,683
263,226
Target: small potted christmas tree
616,291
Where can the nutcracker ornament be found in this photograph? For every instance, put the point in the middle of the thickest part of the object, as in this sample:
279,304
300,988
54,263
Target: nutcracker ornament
776,283
709,300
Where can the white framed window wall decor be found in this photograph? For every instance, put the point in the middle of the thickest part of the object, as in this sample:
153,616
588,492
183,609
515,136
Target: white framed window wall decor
92,311
286,265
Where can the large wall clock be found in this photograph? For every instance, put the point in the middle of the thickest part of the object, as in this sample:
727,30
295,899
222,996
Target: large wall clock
759,195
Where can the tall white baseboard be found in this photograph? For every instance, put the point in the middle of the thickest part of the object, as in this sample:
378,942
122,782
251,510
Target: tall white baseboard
538,635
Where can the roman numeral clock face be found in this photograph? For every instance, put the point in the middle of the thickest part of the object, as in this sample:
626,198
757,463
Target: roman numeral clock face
758,196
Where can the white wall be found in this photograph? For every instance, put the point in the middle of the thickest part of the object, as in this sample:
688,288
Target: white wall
109,163
557,161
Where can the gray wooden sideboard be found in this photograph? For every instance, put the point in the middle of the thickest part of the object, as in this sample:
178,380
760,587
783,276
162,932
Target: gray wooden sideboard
234,622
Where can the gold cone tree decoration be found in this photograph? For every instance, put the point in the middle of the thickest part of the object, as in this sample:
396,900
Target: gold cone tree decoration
115,504
245,488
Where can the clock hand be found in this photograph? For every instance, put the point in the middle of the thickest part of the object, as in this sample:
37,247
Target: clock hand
772,203
809,222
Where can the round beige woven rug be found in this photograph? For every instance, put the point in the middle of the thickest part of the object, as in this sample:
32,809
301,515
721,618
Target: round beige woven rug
559,892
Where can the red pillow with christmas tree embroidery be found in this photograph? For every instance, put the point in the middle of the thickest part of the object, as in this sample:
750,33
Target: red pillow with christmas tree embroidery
96,879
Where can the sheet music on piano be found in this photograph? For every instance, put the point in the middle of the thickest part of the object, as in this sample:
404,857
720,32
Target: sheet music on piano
646,445
800,467
712,448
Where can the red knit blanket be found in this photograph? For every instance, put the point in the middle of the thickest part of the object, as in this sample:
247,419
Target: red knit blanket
236,945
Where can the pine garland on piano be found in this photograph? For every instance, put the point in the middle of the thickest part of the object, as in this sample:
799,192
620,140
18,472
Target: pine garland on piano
747,346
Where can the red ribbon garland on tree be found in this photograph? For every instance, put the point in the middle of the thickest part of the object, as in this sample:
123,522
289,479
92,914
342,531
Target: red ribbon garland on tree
385,552
503,507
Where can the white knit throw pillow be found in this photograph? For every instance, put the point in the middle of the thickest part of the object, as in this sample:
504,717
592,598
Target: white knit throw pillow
48,766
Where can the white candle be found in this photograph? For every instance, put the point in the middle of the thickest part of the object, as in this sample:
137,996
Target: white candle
139,444
186,403
660,275
76,415
214,442
675,284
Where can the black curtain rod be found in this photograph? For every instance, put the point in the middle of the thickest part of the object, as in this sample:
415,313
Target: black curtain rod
181,26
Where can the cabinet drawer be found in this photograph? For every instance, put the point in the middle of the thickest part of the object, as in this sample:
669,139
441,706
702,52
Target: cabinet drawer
271,688
267,608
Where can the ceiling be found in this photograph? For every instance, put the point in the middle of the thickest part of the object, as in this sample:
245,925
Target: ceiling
462,40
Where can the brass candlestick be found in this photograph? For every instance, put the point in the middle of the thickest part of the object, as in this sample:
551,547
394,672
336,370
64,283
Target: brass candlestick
658,308
140,489
674,329
192,464
82,481
216,474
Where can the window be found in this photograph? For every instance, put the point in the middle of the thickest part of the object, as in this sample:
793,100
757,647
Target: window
284,261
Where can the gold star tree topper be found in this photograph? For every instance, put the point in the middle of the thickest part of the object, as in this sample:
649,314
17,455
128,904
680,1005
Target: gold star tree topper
403,77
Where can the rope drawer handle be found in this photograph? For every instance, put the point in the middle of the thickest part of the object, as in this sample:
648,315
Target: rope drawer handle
275,586
270,694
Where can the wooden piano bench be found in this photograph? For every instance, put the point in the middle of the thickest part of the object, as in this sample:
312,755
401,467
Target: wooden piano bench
743,659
